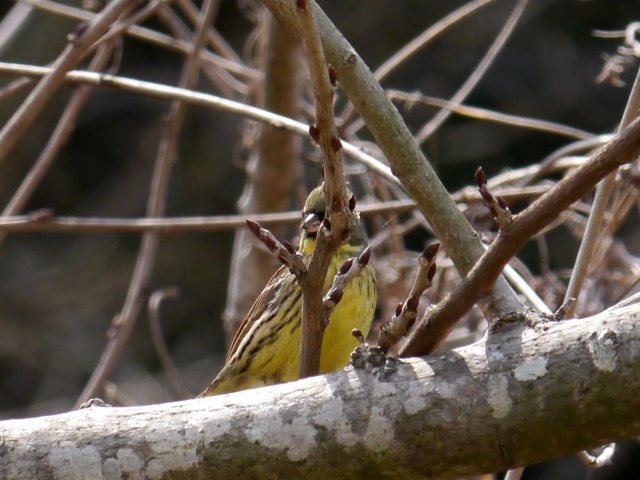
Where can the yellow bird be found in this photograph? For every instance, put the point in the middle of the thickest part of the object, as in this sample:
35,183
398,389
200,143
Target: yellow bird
265,349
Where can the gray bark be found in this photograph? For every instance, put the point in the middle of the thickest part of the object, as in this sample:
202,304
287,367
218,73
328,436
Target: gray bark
530,392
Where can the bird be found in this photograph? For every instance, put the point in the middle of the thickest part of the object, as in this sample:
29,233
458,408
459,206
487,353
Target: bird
266,346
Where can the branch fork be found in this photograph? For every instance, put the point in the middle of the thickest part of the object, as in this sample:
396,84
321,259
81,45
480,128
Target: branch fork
498,207
285,252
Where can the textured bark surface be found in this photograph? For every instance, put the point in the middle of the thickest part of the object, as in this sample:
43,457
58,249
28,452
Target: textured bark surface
527,394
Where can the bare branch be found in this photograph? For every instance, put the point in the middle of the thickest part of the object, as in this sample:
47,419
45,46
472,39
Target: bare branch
191,97
284,252
393,331
173,374
467,87
122,327
80,42
435,326
323,78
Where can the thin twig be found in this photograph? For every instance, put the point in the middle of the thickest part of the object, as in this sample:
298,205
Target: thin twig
603,192
125,320
148,35
393,331
15,86
487,60
493,116
191,97
226,83
432,330
173,374
328,240
44,220
272,169
405,157
59,137
216,41
349,270
286,253
418,43
19,123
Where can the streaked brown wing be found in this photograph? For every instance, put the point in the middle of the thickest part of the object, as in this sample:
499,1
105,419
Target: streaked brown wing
257,309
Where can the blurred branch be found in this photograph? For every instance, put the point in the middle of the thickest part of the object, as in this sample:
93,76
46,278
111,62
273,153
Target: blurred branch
45,220
151,36
226,83
474,78
492,116
418,43
593,232
123,323
59,138
192,97
173,374
80,42
272,171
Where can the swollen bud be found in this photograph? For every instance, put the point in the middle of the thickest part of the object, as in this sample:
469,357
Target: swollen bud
254,227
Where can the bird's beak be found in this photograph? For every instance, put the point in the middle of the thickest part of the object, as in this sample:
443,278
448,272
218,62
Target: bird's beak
311,223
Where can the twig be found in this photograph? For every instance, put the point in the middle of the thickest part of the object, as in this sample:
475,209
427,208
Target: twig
350,269
393,331
45,220
157,90
548,163
216,41
603,192
500,41
148,35
125,321
418,43
405,157
336,225
433,328
272,170
226,83
498,207
59,138
80,42
15,86
286,253
173,374
493,116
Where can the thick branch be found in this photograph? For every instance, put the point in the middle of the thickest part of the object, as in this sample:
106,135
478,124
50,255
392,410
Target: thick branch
481,408
407,161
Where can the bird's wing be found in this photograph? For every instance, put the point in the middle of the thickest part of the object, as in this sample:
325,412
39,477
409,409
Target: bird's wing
258,308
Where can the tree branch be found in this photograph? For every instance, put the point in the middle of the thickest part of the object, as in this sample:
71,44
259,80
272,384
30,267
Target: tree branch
481,408
405,157
435,326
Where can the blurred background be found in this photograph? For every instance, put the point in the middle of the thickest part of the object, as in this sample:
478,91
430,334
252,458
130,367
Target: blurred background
60,292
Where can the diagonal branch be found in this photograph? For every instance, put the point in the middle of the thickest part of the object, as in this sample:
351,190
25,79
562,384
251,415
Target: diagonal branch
124,322
81,41
623,148
405,157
